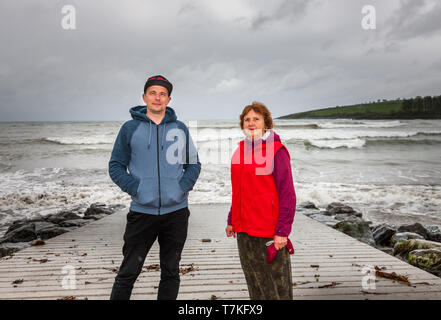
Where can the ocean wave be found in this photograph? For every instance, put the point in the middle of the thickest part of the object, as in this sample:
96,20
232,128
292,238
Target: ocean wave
417,198
360,143
359,124
293,136
4,166
214,126
289,133
341,124
102,139
212,187
429,133
298,126
375,142
223,134
212,134
308,125
334,144
335,134
298,136
62,141
217,126
14,142
48,190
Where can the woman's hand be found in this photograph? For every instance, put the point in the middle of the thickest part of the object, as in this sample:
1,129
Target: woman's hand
280,242
229,231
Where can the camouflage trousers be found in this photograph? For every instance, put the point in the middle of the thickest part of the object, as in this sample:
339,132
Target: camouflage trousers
266,281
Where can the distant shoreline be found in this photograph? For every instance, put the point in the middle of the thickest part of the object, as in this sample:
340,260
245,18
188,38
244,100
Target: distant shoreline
364,117
417,108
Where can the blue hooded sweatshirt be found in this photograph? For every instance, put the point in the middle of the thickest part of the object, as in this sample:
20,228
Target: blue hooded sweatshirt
156,164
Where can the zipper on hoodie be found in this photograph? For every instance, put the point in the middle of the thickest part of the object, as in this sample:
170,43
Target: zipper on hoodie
159,174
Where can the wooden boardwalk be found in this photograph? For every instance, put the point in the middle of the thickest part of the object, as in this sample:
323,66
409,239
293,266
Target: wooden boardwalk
327,264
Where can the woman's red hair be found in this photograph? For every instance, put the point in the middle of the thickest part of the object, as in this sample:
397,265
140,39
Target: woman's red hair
258,108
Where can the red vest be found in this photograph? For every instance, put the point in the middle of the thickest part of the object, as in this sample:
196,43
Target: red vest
255,205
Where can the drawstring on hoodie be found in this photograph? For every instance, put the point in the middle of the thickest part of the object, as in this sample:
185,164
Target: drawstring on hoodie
163,136
140,113
150,135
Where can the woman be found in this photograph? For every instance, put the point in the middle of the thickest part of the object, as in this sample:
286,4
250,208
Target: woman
263,205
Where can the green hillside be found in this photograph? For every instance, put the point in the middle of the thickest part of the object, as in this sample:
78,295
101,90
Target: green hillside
415,108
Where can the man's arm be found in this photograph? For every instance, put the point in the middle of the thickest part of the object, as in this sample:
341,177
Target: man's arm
120,159
192,166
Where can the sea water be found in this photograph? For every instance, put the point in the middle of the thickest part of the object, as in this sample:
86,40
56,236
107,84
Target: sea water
391,167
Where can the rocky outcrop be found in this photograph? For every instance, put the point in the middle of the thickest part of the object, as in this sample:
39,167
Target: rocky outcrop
402,236
9,248
73,223
21,233
423,254
328,220
356,228
427,259
403,248
50,232
63,216
337,208
383,233
433,233
308,205
413,243
415,228
96,209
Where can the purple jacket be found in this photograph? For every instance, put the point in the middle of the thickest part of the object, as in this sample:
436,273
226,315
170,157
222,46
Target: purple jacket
285,188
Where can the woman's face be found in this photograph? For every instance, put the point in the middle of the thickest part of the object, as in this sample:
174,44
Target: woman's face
254,125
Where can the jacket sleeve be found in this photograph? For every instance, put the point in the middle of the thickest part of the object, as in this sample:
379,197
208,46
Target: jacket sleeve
192,166
119,162
285,188
230,217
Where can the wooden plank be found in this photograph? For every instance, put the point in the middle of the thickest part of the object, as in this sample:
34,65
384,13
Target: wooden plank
193,282
217,269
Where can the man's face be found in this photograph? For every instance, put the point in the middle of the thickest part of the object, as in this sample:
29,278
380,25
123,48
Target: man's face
156,98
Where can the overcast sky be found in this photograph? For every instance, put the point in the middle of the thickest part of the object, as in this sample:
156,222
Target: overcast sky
292,55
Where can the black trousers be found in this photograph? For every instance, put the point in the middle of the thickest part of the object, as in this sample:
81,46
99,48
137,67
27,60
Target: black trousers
141,232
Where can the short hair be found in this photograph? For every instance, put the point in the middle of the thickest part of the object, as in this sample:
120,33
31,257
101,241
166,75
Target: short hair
260,108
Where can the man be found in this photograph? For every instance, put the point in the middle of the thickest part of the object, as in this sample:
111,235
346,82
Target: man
163,167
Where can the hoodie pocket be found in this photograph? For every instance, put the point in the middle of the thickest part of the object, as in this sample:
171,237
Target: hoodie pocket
171,192
148,192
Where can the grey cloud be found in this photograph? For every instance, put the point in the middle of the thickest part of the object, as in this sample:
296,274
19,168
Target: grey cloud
436,65
216,62
412,20
288,9
187,7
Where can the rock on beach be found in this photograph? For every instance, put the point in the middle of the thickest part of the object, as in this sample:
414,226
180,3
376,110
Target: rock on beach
22,233
427,259
383,233
403,248
356,228
423,254
414,243
337,208
402,236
